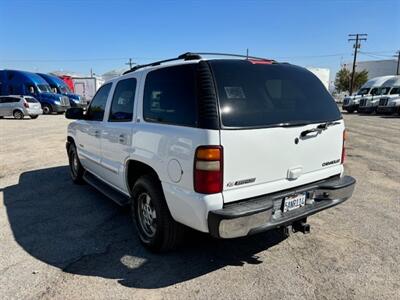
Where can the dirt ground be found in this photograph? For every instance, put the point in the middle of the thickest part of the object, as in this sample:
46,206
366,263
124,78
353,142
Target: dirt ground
63,241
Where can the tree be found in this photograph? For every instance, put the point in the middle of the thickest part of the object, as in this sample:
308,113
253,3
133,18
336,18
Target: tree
343,77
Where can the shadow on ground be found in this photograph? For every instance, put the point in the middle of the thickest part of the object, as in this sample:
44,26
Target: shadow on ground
80,231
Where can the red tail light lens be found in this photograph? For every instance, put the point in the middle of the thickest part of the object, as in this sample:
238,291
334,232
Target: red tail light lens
343,148
208,171
26,104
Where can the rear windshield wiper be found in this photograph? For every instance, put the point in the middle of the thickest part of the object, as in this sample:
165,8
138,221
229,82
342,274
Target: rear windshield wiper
319,128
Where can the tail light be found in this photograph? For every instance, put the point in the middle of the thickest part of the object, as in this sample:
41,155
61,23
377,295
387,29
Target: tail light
343,148
26,104
208,170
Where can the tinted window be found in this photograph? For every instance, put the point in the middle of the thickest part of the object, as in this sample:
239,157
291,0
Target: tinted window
122,103
9,100
257,95
98,104
375,91
395,91
31,100
170,96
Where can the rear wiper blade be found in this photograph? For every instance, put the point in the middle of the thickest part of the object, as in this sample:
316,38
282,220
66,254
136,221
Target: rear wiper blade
319,128
325,125
294,124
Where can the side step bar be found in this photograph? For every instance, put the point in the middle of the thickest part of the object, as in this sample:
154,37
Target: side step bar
118,197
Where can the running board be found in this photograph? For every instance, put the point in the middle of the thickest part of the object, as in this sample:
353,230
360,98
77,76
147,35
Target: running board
118,197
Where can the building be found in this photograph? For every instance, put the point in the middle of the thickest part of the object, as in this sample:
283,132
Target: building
322,73
375,68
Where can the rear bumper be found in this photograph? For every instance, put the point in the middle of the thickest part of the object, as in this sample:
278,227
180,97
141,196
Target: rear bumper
387,109
264,213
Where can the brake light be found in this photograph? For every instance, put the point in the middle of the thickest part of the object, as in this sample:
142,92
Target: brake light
26,104
208,170
343,148
261,61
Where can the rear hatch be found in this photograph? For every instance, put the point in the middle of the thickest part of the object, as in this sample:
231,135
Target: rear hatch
33,103
265,109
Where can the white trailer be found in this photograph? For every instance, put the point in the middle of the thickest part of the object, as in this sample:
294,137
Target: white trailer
86,86
322,74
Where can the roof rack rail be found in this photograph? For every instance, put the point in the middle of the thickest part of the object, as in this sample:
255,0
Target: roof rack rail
195,56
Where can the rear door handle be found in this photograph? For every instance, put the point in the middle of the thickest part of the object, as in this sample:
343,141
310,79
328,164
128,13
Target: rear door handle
122,138
97,133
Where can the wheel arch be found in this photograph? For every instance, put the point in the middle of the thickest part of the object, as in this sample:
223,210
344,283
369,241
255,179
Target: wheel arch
135,169
18,109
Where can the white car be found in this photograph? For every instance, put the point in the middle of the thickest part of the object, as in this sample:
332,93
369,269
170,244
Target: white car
19,107
230,147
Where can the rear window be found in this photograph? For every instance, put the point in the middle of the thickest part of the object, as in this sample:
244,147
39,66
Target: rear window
260,95
31,100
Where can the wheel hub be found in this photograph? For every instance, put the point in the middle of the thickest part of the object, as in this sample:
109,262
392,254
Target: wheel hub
146,214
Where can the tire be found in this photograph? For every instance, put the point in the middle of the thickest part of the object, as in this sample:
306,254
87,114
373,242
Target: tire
47,110
350,111
75,168
18,114
157,230
34,116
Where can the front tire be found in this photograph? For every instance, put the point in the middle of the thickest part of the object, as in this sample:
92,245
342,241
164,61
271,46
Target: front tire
75,167
157,230
18,115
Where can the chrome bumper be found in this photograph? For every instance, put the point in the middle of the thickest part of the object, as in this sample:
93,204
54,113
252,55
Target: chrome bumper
260,214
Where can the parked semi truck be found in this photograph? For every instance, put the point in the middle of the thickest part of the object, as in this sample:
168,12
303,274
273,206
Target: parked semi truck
60,87
14,82
371,87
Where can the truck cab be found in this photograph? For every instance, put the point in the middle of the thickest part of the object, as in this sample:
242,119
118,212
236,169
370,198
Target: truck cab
370,103
13,82
389,103
352,103
58,86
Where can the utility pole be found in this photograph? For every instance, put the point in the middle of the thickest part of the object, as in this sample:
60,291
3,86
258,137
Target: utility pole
247,53
398,62
358,37
130,63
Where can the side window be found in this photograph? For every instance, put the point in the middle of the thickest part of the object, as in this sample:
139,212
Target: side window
98,104
13,99
395,91
123,100
170,96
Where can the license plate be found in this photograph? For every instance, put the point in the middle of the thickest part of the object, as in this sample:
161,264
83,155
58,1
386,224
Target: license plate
293,202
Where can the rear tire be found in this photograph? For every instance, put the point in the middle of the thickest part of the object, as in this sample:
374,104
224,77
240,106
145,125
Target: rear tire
47,109
350,111
34,116
157,230
75,167
18,115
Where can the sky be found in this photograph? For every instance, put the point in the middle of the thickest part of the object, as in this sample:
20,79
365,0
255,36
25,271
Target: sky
45,35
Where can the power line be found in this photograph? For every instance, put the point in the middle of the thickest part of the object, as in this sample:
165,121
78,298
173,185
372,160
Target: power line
358,38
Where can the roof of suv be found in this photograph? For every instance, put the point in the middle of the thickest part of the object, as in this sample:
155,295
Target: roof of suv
191,57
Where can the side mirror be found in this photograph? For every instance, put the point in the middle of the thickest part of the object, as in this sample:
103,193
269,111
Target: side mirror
74,113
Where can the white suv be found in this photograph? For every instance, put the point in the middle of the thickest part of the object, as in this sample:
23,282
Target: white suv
230,146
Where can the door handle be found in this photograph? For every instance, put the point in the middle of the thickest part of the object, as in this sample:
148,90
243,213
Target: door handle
122,138
97,133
